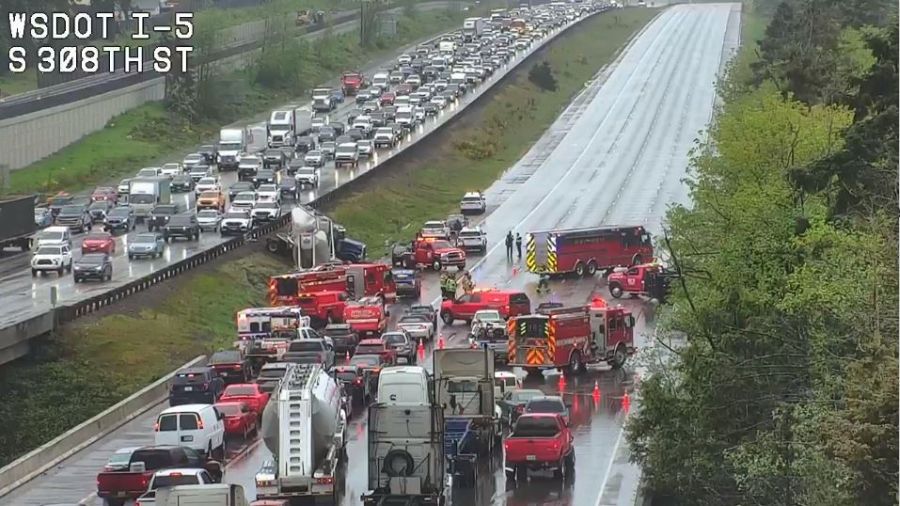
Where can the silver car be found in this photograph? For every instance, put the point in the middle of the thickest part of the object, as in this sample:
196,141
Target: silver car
146,245
209,220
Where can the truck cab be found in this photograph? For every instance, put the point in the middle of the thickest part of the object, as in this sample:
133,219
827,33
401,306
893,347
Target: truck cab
649,280
323,307
436,254
367,316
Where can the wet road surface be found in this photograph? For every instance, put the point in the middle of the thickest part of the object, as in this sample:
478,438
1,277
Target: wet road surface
616,155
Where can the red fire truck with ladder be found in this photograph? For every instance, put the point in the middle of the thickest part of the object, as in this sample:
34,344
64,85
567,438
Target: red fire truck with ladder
584,251
358,280
569,338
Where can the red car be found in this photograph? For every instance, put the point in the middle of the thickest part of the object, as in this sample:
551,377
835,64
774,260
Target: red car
376,347
248,393
239,419
107,193
99,242
387,98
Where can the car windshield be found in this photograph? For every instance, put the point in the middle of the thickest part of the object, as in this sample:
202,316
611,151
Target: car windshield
414,319
51,236
267,205
226,357
441,245
488,316
180,179
525,395
175,479
49,250
207,213
272,373
71,210
180,221
235,390
239,216
267,188
193,158
394,338
100,204
97,237
546,406
538,426
364,360
245,197
305,346
92,259
142,199
229,409
119,212
469,233
144,239
313,154
207,181
119,459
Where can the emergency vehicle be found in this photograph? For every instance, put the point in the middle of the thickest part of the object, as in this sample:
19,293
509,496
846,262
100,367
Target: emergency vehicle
265,332
431,252
649,280
367,316
323,307
568,338
357,280
584,251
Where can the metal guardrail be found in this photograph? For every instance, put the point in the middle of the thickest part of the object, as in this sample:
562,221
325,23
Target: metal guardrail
85,307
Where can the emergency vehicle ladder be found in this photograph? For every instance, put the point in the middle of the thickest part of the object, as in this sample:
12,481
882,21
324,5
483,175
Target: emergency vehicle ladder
296,387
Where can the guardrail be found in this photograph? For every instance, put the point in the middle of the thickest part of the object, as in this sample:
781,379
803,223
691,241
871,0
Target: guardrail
35,462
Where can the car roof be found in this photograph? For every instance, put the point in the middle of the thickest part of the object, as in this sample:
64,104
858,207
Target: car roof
555,398
179,470
185,408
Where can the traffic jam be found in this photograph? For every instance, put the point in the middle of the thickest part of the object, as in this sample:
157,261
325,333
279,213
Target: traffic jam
343,339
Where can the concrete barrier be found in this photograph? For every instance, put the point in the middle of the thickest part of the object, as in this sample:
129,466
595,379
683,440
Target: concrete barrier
14,338
32,464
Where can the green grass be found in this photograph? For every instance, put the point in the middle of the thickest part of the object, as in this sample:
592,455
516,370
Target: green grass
12,84
149,134
474,155
90,366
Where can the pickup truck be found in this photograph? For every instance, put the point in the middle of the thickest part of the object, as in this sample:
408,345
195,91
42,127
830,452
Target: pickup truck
311,350
118,486
540,441
171,478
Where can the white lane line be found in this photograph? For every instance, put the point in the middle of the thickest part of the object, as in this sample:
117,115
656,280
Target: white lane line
609,468
623,89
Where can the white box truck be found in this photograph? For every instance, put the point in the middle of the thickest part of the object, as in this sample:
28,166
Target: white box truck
473,28
145,193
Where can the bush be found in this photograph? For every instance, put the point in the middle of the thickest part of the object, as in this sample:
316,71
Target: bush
541,75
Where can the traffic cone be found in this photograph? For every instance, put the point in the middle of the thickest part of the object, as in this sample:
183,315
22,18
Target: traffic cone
626,401
515,271
347,355
421,350
441,342
596,389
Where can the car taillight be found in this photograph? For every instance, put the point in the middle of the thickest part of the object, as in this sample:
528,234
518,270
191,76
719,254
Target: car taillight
325,480
156,427
199,424
520,409
237,367
358,381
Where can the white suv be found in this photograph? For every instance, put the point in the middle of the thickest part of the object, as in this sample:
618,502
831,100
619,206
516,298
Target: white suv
55,257
472,238
472,203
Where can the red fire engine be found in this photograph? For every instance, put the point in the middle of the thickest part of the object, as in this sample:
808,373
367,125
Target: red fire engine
367,316
358,280
584,251
323,307
571,337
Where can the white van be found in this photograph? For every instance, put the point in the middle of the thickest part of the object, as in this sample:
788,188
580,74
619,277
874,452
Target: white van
505,381
381,80
54,236
197,426
404,385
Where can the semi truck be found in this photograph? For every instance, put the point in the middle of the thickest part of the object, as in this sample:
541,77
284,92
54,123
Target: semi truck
17,223
146,193
314,239
406,455
232,143
280,129
473,28
305,428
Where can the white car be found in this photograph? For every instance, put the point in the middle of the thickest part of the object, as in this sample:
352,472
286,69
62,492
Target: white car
198,172
439,100
472,238
56,257
318,122
346,154
314,158
243,201
418,326
268,193
207,184
435,229
404,59
266,211
365,148
171,169
54,236
307,176
236,222
414,80
364,123
472,203
149,172
209,220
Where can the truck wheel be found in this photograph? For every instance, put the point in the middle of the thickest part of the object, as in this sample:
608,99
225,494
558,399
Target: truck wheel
60,271
436,265
34,273
569,466
521,474
591,268
447,316
619,357
615,290
579,269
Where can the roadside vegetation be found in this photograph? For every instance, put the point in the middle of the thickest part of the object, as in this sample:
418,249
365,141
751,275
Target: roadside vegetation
474,152
95,363
786,391
162,131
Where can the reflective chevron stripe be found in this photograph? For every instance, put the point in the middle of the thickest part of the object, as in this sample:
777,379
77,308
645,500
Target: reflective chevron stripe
530,253
551,252
511,342
550,332
535,357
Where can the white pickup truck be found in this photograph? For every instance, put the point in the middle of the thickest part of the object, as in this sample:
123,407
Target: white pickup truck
172,477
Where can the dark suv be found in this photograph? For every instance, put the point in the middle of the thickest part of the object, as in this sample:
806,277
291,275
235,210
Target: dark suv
92,266
76,217
196,385
343,336
182,225
160,215
120,219
231,366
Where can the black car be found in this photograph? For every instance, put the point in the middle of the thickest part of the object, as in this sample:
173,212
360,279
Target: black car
98,210
304,144
288,188
160,215
120,218
76,217
230,366
401,255
430,109
355,382
342,336
240,186
93,266
338,127
182,183
196,385
356,134
182,225
209,153
408,282
274,157
264,176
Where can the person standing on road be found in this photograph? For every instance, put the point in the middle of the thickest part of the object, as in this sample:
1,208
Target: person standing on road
451,286
509,246
519,245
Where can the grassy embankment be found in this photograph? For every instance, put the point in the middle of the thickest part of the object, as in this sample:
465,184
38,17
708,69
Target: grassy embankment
95,363
151,134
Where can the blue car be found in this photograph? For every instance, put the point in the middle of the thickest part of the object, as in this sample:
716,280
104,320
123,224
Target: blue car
146,245
337,95
43,218
408,281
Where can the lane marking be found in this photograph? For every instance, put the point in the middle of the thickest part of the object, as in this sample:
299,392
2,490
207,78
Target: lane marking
609,468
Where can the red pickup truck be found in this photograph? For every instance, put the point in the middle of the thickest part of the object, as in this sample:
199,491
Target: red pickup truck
540,441
118,486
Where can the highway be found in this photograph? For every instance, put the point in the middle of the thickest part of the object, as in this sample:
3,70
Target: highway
616,155
26,296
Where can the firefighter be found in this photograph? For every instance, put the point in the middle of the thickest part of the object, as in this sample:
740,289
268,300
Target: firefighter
444,285
509,246
544,283
519,245
467,284
451,286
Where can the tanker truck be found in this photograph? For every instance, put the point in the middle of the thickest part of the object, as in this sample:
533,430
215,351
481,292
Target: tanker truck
305,429
314,239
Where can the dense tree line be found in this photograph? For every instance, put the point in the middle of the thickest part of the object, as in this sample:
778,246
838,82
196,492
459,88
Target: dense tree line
786,391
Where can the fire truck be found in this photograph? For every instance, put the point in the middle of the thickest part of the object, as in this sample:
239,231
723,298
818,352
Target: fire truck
367,316
569,338
265,332
324,307
584,251
357,280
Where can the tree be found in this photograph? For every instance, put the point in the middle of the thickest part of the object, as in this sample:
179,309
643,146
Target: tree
541,75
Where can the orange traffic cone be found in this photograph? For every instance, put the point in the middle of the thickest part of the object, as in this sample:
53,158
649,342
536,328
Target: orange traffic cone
347,355
421,350
626,401
596,389
515,271
441,342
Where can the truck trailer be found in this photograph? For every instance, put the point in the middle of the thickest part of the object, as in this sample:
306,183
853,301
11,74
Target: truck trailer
17,222
305,428
585,251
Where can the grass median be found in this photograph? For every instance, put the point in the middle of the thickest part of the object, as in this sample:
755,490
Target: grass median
151,134
94,363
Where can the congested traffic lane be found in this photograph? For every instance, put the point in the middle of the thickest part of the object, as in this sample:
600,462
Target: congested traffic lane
26,296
